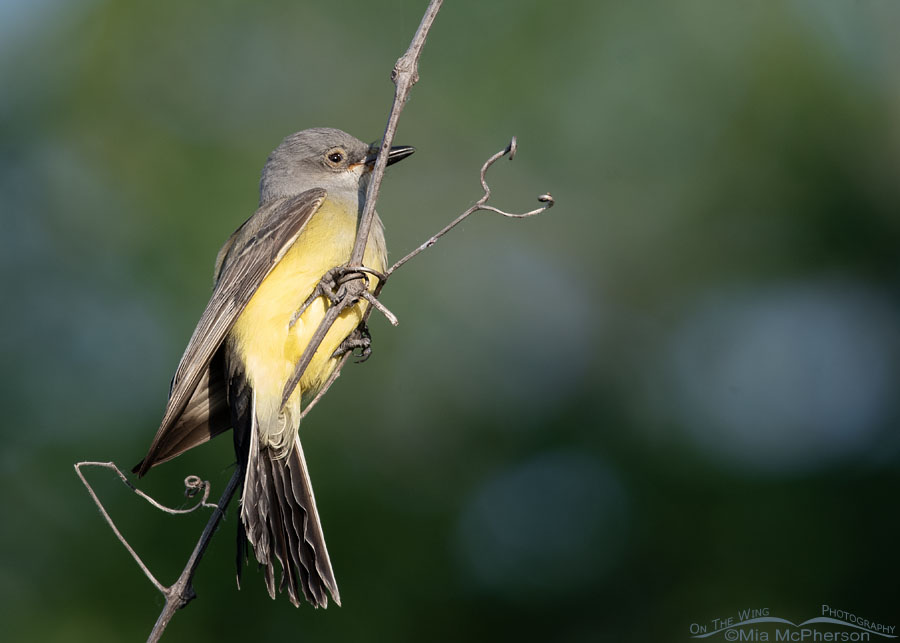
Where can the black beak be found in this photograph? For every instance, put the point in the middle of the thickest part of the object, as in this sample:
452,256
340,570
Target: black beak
397,153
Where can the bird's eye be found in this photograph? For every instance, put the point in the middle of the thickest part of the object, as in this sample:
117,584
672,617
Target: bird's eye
335,157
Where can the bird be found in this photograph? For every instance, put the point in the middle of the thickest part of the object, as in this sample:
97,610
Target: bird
252,334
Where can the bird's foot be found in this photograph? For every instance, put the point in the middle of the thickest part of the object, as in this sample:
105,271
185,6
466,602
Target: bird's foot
342,285
360,339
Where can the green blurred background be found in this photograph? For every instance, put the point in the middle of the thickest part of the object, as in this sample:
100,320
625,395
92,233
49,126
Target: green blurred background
671,397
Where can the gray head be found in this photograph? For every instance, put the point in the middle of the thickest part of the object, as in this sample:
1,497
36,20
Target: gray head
321,157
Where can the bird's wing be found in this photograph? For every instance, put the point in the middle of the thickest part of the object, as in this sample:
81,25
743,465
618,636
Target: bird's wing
205,416
245,260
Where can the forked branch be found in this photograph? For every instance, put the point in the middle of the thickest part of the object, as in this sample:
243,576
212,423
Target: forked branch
350,285
545,199
404,75
192,486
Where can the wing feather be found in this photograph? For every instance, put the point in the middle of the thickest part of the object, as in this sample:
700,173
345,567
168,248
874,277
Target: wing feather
205,416
248,256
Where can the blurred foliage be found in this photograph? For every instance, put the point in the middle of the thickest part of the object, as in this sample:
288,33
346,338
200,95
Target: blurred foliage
671,397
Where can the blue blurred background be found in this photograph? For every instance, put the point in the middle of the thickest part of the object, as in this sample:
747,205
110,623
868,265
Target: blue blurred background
671,397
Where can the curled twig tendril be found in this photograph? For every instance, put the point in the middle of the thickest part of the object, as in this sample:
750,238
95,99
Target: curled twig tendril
545,199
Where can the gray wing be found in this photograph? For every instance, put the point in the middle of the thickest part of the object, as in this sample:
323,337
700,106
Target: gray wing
245,260
205,416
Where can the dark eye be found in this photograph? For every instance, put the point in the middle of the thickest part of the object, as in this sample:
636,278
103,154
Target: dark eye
335,157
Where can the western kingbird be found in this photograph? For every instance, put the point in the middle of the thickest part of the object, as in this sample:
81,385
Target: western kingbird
249,340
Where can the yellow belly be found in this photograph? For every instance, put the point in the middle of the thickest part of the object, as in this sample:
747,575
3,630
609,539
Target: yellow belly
268,347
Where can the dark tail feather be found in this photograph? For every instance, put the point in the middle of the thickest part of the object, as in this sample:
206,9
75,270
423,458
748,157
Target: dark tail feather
278,512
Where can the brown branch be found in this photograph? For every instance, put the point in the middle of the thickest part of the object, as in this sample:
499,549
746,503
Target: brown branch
405,74
336,373
353,285
546,200
181,592
510,149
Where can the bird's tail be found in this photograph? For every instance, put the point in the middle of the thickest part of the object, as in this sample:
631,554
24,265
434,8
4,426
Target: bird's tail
279,518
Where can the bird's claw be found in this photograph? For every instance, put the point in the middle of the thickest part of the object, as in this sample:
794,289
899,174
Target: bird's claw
360,339
335,285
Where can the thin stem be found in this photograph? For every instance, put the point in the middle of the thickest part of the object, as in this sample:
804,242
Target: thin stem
336,373
182,592
325,325
109,520
545,199
405,74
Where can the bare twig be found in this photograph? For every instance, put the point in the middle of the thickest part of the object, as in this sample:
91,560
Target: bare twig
327,322
192,484
405,74
331,379
391,317
546,200
350,286
181,592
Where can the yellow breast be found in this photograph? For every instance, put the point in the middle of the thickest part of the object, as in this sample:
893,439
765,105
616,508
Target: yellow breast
268,347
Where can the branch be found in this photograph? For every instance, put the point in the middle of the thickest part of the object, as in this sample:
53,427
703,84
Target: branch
510,149
546,200
405,74
181,592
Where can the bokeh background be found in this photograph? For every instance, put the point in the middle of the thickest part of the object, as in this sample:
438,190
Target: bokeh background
671,397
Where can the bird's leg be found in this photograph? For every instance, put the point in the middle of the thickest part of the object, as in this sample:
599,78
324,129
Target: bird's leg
360,338
337,285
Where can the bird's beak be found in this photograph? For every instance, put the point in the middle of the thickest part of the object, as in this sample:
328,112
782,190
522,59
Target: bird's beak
397,153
